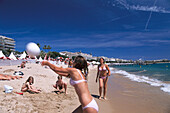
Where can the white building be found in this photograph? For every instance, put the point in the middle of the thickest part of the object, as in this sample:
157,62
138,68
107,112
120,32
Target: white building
112,59
7,43
69,54
85,55
90,57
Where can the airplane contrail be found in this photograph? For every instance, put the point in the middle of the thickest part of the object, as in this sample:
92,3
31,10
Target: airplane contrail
114,19
147,23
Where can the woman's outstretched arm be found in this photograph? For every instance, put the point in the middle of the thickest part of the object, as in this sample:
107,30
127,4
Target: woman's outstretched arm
59,70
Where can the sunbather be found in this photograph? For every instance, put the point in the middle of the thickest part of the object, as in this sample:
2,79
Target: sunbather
8,77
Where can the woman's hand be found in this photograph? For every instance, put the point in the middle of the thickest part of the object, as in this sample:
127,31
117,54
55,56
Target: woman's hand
108,74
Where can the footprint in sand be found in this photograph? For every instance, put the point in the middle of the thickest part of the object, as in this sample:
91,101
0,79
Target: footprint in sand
8,70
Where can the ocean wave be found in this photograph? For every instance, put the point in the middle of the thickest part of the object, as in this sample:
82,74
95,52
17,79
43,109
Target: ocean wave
153,82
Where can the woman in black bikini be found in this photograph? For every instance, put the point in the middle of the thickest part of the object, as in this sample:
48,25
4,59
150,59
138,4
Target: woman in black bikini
60,85
102,73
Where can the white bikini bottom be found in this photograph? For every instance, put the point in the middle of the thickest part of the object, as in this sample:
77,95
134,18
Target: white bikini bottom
92,104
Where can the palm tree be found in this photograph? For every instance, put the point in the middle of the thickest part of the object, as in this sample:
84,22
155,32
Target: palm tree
48,47
45,47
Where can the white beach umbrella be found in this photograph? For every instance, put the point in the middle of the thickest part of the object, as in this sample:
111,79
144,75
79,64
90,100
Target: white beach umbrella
12,57
35,57
40,59
2,55
23,56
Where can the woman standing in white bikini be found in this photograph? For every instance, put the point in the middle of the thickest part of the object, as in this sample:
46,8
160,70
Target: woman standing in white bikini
102,73
77,80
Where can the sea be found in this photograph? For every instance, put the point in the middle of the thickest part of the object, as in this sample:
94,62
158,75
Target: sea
157,75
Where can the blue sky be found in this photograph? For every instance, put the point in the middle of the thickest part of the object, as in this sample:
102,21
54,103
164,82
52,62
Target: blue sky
128,29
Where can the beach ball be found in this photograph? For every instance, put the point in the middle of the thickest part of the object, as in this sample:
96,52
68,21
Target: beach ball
32,49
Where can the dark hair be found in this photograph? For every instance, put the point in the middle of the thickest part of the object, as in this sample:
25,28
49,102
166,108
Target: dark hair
30,77
102,58
80,63
59,77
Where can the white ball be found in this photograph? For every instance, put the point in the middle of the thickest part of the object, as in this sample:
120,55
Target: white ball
32,49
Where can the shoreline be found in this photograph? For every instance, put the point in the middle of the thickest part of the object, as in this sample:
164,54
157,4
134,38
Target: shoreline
162,85
128,96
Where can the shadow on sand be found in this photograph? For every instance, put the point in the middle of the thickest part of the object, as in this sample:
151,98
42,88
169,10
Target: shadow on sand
55,92
95,96
78,110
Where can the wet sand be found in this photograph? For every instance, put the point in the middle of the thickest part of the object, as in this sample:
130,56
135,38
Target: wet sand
128,96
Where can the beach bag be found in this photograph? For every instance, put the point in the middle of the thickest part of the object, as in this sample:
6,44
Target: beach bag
18,73
8,89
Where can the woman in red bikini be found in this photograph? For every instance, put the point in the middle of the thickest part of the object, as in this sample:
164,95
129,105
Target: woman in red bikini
102,73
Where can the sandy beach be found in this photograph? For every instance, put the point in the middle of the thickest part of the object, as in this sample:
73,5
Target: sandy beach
124,96
47,100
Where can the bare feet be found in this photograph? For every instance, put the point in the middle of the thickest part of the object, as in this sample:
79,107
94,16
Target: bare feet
105,98
100,98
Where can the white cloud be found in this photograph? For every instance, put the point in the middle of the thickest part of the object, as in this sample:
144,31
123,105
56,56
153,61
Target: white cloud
12,33
142,7
94,43
110,40
147,8
158,41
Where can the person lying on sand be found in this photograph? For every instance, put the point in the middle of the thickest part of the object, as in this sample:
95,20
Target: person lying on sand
60,85
77,80
28,86
8,77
